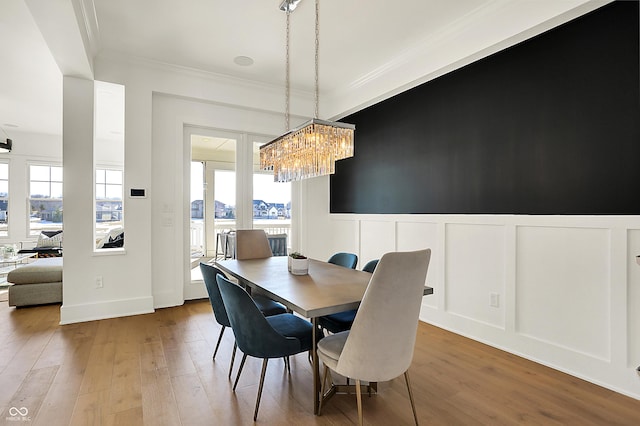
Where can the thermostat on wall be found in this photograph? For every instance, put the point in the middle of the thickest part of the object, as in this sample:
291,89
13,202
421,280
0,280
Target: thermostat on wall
138,193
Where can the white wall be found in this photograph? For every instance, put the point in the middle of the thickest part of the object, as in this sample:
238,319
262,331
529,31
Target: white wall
152,270
171,174
126,288
568,286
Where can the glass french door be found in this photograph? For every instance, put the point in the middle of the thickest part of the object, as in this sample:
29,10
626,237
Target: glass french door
213,191
197,225
271,200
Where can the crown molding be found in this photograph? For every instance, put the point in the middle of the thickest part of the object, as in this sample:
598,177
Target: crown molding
139,61
88,23
459,44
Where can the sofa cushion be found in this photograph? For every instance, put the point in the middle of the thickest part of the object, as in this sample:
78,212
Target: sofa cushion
47,270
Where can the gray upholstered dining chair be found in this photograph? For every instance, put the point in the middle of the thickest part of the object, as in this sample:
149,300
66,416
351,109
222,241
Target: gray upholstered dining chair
348,260
259,336
252,244
341,321
267,306
379,346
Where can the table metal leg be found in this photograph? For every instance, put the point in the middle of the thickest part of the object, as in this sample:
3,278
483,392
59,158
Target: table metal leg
315,367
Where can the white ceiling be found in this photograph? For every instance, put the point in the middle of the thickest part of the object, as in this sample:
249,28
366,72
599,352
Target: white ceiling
360,41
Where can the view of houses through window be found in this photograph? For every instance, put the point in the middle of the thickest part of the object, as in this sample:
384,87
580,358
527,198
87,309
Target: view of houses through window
270,201
4,199
45,198
109,213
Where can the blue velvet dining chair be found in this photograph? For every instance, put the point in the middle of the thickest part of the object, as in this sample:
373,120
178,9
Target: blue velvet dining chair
341,321
265,305
348,260
259,336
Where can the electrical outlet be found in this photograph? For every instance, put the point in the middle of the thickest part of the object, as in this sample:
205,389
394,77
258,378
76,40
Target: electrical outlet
99,283
495,300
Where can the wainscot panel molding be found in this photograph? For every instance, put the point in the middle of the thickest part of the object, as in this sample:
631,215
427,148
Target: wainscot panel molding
563,287
633,298
418,235
568,287
474,271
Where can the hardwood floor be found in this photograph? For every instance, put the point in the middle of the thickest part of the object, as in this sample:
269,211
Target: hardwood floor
156,369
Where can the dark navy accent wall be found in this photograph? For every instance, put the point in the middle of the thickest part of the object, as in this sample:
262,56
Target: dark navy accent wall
549,126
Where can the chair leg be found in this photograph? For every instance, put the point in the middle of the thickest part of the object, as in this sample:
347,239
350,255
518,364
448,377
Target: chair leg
233,357
359,399
219,340
244,358
264,370
413,405
322,388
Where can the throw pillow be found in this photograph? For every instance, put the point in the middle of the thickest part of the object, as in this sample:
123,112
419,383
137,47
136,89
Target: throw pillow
118,241
50,239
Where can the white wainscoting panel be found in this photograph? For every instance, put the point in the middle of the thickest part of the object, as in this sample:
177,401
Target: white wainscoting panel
474,269
417,236
563,287
376,239
345,236
568,286
633,298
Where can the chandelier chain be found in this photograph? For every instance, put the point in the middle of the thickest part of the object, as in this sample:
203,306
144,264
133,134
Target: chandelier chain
313,148
287,78
317,83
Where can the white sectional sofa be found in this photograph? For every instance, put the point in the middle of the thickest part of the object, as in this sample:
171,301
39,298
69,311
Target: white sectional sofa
37,283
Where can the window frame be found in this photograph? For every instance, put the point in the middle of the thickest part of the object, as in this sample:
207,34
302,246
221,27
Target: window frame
106,168
5,234
34,233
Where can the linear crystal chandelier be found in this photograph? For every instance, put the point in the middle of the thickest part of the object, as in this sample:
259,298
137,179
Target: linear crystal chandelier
312,149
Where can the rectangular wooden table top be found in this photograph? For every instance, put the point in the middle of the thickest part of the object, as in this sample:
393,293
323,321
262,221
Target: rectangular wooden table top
327,289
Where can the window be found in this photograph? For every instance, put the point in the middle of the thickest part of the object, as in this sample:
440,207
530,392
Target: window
271,200
45,198
108,199
108,160
4,199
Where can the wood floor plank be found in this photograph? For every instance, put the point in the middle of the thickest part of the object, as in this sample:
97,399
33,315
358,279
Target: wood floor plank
97,376
32,392
131,417
157,369
22,362
159,405
91,409
125,391
57,407
193,405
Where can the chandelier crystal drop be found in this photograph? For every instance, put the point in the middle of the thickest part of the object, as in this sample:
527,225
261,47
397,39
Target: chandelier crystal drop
312,149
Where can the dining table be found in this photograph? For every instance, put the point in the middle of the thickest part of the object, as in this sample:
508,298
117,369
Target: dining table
325,289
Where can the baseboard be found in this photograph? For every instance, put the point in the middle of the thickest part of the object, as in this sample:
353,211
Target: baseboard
195,290
70,314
